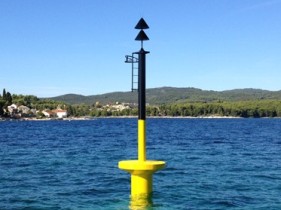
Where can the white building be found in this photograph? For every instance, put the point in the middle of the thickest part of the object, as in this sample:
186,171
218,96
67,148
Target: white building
12,108
24,109
60,113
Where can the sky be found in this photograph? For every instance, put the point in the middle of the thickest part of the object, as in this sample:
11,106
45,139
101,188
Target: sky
55,47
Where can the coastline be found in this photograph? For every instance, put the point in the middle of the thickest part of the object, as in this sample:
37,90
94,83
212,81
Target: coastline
176,117
130,117
48,119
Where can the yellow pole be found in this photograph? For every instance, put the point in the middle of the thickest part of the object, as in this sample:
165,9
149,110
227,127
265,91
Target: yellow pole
141,184
141,140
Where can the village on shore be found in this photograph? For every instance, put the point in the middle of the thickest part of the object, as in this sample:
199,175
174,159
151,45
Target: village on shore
25,113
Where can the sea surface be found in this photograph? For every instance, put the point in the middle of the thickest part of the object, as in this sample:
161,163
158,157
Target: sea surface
211,164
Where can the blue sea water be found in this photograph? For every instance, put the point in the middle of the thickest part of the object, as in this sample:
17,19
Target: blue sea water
211,164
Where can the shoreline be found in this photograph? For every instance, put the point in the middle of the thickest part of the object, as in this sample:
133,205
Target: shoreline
175,117
132,117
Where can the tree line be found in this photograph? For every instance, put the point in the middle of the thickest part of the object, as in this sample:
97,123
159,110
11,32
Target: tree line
245,109
256,108
251,108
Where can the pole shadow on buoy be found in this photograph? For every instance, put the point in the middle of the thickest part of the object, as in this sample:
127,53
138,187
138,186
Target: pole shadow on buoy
141,170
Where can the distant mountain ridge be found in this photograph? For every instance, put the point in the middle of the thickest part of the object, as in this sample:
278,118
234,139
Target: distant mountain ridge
166,95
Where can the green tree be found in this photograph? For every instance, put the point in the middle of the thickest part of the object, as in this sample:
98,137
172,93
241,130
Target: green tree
9,99
2,103
4,94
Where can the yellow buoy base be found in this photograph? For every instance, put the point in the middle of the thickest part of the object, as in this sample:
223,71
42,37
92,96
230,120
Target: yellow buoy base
141,176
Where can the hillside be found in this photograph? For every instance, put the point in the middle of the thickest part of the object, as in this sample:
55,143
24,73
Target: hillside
166,95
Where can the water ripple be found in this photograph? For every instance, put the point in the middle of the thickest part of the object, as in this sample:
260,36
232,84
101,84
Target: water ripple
211,164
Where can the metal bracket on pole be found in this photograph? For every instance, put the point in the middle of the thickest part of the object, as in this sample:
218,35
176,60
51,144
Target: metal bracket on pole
133,60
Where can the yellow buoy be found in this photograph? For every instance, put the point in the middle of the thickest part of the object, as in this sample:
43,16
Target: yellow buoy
141,170
141,175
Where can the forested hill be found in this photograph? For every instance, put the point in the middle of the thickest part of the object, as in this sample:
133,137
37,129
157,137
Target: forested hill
166,95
